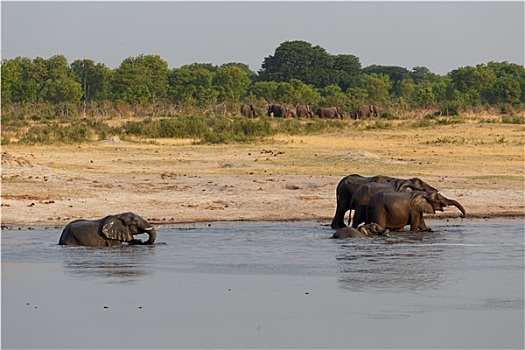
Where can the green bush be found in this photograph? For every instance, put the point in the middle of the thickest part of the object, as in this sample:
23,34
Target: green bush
513,120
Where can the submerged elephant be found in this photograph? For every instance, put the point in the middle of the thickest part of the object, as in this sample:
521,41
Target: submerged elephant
395,210
278,111
302,111
248,110
364,193
367,230
366,111
330,112
111,230
345,191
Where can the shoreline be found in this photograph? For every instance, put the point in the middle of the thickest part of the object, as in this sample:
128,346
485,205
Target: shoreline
324,223
288,178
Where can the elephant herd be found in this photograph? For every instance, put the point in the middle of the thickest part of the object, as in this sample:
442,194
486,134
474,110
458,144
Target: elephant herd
390,203
305,111
380,203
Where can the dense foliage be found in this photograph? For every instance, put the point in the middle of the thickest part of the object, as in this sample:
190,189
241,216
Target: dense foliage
37,93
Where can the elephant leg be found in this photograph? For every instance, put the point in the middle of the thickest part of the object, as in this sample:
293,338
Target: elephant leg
339,217
417,223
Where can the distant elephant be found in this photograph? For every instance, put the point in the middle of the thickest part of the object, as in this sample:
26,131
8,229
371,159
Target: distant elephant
395,210
248,110
366,111
345,190
291,113
367,230
303,111
278,111
353,115
364,193
111,230
330,112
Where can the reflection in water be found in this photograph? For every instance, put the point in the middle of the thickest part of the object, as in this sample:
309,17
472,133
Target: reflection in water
126,264
397,264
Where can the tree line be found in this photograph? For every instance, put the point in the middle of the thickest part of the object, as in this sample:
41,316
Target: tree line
297,73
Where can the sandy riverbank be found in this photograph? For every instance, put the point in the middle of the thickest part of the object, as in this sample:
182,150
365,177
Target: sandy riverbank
287,178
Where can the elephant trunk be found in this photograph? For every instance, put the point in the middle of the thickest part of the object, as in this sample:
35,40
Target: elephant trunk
152,235
457,205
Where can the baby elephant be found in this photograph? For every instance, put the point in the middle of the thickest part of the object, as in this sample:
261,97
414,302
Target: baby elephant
368,230
109,231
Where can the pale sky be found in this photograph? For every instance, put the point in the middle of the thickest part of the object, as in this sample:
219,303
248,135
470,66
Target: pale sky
441,36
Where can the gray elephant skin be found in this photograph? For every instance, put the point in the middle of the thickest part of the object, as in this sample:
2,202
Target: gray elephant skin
303,111
278,111
330,113
395,210
248,110
364,193
366,111
364,231
344,193
111,230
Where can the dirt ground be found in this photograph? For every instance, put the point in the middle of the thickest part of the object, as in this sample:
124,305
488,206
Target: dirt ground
286,178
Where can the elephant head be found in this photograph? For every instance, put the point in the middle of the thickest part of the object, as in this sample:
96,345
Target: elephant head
123,226
429,202
367,230
373,229
414,183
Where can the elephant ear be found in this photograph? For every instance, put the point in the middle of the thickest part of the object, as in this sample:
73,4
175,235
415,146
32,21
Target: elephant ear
114,228
421,204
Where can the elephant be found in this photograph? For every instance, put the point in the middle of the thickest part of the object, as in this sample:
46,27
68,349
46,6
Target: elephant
111,230
330,112
278,111
345,190
366,111
367,230
395,210
364,193
248,110
353,115
303,111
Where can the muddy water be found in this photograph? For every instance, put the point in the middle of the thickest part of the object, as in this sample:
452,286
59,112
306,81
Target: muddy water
268,285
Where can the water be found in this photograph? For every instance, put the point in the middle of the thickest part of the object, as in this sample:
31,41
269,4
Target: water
269,285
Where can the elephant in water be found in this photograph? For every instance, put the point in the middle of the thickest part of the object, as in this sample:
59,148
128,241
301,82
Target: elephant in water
395,210
364,193
330,113
367,230
345,191
111,230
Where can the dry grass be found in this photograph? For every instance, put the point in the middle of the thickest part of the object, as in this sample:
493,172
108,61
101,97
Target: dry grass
174,180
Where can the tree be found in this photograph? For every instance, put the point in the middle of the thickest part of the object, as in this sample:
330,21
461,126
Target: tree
17,83
347,69
138,77
266,90
93,78
377,86
333,96
472,82
231,83
192,84
298,60
394,73
251,74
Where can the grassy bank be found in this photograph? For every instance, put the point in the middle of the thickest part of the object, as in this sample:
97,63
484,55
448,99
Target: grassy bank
37,129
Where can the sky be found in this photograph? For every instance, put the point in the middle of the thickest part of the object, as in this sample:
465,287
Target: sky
441,36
